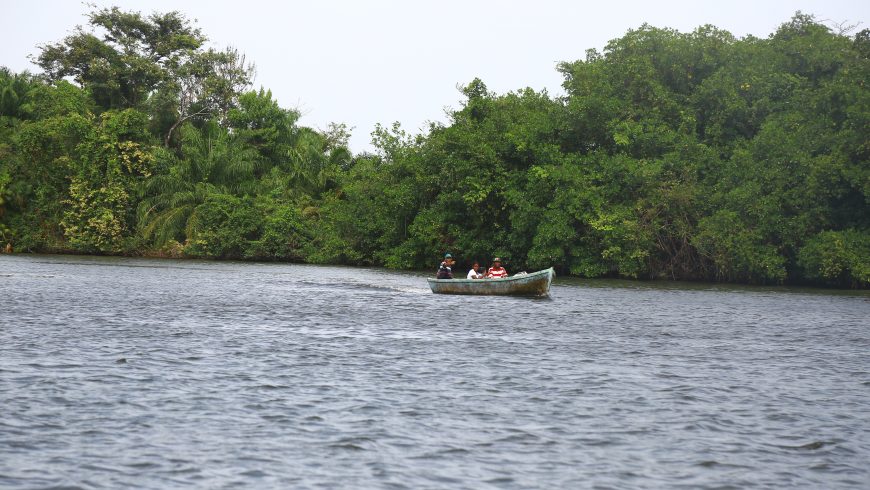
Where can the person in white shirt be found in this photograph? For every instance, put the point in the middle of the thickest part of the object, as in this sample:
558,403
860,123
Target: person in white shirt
473,274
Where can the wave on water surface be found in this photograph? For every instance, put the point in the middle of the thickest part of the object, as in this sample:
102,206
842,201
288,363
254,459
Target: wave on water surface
123,375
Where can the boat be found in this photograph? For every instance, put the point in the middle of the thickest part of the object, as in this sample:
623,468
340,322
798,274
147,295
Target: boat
532,284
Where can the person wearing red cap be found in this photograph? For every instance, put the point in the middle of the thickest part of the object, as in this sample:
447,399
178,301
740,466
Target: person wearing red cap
496,271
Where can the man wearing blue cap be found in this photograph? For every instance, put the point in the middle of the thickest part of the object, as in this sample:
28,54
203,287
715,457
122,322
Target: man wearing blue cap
445,271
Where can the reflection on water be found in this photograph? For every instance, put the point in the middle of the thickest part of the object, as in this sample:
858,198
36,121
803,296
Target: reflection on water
132,372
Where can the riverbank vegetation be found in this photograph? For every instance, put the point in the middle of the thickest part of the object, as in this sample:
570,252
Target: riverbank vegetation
671,155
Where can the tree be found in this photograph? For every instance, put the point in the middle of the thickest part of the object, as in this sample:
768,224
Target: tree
840,258
671,155
13,93
207,86
109,164
211,162
133,56
127,59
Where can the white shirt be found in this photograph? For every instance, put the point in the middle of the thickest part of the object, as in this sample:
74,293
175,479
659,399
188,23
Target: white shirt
472,274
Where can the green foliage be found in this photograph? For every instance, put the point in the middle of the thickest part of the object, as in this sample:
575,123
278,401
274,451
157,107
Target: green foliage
840,258
40,161
285,236
671,155
134,56
211,162
109,164
737,251
683,156
155,63
14,88
205,87
222,227
5,232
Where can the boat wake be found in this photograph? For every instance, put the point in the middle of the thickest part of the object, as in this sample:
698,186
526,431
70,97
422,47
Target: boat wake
365,286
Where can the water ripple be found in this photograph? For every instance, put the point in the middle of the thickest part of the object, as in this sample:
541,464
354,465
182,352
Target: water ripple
136,373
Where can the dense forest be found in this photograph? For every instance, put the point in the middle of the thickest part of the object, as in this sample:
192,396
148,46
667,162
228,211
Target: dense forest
695,156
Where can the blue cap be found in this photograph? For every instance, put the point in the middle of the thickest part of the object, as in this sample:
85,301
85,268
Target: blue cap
448,256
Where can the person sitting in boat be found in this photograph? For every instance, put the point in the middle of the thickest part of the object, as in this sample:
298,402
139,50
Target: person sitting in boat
496,271
474,273
445,270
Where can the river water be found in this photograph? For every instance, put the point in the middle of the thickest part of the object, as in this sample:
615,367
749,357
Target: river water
138,373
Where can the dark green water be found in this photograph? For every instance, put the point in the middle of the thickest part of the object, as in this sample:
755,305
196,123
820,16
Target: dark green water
123,373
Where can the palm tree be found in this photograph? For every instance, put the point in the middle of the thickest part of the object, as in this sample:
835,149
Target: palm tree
211,162
313,162
13,88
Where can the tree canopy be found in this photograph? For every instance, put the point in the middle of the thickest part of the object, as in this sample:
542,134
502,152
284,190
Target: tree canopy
673,155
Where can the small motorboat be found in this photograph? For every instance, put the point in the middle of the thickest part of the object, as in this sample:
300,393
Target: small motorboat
522,284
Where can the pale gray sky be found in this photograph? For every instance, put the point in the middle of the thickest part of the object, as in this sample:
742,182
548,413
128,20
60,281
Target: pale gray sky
367,62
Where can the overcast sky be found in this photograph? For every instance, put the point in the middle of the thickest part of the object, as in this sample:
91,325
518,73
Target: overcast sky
367,62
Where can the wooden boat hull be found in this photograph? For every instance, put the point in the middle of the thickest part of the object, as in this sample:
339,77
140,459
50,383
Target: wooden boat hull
534,284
